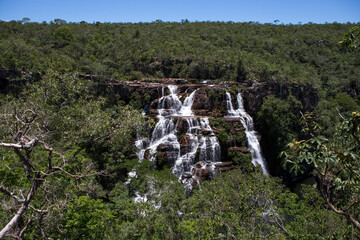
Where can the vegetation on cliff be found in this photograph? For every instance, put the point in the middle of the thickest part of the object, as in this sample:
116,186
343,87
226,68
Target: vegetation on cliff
66,147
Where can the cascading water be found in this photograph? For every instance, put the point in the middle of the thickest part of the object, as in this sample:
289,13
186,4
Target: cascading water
247,122
199,143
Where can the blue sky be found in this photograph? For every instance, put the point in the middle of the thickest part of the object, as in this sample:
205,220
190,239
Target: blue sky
263,11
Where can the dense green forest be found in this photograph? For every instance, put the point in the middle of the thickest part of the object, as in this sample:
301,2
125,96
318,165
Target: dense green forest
66,151
208,50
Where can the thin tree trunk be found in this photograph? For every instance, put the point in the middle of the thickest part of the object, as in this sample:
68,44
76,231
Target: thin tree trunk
15,219
22,209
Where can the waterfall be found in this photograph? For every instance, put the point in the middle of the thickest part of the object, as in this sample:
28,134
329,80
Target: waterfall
251,134
198,142
210,147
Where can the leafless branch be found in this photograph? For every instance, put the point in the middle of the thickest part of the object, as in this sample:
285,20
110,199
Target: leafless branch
38,210
352,204
35,184
9,193
30,144
21,234
26,164
24,123
349,217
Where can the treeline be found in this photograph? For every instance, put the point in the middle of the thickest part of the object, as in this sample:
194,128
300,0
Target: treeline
207,50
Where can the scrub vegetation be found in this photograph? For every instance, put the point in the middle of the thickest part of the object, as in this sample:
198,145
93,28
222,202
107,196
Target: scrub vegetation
66,151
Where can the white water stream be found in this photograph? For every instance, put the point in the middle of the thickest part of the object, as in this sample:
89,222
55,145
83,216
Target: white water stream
251,134
199,143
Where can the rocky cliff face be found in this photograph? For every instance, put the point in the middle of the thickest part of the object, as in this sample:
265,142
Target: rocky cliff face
209,102
255,94
207,124
211,96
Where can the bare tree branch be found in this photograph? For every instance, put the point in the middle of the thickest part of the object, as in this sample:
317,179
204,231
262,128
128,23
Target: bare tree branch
30,144
352,204
23,129
26,164
9,193
349,217
38,210
35,184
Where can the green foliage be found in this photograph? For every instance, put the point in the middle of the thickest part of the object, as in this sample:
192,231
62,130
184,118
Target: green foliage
241,72
229,51
242,159
346,104
310,218
71,116
252,206
63,36
276,124
335,162
70,124
86,218
223,138
148,220
351,39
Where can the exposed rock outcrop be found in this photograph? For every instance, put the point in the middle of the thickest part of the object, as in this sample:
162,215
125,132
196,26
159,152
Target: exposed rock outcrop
209,102
254,95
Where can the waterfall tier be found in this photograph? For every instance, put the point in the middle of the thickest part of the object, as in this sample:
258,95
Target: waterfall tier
251,134
180,138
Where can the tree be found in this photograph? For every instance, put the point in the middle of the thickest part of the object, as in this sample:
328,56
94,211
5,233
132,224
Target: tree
351,39
63,36
238,205
45,133
336,163
276,124
241,72
25,20
59,21
86,218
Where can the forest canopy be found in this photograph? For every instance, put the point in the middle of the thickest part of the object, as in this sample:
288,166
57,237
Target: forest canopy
306,53
66,150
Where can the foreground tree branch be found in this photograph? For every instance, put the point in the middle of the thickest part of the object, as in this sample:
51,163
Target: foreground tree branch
21,210
335,163
23,149
9,193
44,132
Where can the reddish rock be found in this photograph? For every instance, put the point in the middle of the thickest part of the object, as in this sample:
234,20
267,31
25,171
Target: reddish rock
223,164
239,149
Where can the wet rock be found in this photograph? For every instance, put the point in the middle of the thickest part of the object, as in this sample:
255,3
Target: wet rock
210,99
239,149
186,175
166,155
223,164
202,171
181,81
182,125
184,140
